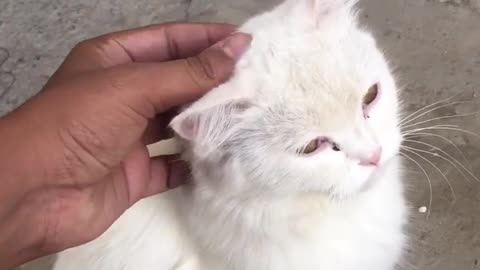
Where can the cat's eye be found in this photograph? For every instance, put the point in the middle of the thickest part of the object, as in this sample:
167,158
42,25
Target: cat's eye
371,95
318,145
311,147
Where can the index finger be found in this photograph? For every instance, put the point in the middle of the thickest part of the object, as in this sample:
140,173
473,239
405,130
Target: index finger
153,43
169,41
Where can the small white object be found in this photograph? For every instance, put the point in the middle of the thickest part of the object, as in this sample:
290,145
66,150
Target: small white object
164,148
422,209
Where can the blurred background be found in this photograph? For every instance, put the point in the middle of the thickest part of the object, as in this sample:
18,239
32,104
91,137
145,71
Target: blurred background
434,49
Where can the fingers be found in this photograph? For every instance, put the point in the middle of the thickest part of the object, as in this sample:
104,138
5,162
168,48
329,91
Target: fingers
141,178
170,41
165,175
174,83
178,174
148,44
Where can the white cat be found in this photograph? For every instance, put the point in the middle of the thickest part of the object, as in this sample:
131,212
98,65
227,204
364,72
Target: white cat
294,161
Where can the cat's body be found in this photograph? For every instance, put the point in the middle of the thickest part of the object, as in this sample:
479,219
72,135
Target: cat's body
258,202
304,233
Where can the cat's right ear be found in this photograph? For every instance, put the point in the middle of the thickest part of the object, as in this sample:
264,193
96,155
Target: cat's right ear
211,125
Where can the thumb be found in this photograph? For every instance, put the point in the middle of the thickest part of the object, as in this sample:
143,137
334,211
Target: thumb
170,84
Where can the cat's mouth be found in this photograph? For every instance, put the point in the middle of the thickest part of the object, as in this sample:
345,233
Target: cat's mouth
378,170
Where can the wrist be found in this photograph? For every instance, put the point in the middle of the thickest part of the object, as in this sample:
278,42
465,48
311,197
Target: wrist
20,177
21,234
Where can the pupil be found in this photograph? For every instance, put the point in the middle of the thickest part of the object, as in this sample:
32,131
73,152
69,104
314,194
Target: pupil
311,147
371,95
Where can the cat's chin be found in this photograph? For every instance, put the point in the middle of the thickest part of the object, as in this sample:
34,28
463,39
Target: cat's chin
365,179
378,173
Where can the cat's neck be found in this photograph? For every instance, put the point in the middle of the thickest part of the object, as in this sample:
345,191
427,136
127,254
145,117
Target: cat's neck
265,211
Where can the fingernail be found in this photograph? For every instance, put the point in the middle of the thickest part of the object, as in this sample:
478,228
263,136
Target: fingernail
235,45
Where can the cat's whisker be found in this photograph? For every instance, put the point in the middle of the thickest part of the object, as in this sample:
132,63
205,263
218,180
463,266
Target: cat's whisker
452,160
440,118
415,152
426,108
415,130
406,121
456,128
436,167
446,159
429,181
427,134
411,171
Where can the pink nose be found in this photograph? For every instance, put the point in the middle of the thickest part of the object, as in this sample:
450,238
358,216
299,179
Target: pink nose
374,158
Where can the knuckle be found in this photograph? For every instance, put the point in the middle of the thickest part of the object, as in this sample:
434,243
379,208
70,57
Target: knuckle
93,45
201,69
123,78
82,46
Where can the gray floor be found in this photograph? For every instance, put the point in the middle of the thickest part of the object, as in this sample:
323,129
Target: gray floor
434,45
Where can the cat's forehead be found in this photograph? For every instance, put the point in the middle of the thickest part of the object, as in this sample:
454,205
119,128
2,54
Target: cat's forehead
307,66
294,54
308,78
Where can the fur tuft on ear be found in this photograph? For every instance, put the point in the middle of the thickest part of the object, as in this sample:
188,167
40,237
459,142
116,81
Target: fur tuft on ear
320,11
210,125
325,7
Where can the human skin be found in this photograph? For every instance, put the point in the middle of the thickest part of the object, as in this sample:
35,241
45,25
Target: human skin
74,157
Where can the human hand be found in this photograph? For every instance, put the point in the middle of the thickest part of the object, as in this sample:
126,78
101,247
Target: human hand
77,156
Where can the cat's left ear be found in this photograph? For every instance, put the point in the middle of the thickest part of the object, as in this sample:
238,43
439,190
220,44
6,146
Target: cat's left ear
321,12
211,124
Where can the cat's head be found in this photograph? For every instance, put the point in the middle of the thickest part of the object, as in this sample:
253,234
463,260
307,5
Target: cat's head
312,107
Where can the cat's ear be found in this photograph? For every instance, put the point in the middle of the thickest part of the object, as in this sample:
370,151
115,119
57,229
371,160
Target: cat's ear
211,124
319,12
323,8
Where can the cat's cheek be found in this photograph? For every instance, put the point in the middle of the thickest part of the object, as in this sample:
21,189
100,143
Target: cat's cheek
390,138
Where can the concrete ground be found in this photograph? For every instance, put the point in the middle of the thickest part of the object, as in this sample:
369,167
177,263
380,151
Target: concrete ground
434,46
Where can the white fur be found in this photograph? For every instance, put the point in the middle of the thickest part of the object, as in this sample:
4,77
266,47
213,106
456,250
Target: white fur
256,203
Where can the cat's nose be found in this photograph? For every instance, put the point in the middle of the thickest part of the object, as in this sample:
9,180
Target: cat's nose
374,158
